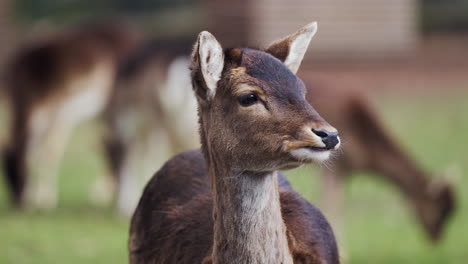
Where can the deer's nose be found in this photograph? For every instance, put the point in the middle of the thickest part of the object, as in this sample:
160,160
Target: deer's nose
330,139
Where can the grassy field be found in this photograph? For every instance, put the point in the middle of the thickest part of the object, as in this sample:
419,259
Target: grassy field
379,227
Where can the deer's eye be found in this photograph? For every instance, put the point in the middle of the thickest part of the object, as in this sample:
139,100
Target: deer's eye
248,99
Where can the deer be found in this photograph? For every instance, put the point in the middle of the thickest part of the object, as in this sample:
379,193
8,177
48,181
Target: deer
369,147
228,202
159,70
142,126
51,86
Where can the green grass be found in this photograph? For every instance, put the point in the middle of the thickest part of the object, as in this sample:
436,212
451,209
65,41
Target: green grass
379,227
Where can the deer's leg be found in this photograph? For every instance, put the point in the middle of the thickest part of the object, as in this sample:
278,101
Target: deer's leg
48,138
332,204
122,132
146,153
14,158
15,175
127,189
115,150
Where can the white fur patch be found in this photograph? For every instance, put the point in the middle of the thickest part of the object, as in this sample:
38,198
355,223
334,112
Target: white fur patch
179,103
211,61
305,154
299,46
90,94
338,145
178,88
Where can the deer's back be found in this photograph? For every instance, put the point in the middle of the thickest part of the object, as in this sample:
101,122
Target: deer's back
64,65
173,221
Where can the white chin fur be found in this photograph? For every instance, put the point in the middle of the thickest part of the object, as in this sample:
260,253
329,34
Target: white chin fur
304,154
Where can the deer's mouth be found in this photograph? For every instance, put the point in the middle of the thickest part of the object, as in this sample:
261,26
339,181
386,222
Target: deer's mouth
311,154
307,151
313,148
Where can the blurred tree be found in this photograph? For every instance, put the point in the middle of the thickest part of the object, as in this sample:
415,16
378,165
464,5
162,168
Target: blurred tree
29,11
6,31
159,17
140,6
70,10
445,15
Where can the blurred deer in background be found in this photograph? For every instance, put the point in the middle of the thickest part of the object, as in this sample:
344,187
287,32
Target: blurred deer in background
369,147
149,115
159,71
51,86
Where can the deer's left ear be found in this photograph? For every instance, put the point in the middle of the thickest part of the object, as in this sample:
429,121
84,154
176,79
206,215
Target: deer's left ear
207,60
292,48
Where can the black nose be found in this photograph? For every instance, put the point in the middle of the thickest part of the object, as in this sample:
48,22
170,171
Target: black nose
330,139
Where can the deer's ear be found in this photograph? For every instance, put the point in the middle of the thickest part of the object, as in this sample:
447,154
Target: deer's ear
292,48
207,65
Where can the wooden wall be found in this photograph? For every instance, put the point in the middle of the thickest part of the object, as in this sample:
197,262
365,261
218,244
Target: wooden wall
358,28
229,20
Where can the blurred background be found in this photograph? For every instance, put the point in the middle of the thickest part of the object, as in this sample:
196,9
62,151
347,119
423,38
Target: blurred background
410,57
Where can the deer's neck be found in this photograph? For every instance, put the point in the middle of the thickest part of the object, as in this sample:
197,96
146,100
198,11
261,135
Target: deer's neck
248,226
409,177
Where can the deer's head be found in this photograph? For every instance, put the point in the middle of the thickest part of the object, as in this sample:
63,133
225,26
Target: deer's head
252,107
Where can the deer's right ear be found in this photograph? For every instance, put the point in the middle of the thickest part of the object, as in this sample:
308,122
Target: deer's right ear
207,65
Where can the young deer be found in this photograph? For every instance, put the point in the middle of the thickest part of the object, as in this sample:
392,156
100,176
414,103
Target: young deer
157,73
52,86
225,204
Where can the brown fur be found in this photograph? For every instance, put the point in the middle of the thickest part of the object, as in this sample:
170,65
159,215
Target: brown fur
182,208
189,212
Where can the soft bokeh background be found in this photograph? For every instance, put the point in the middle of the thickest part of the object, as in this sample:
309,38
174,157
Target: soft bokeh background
418,76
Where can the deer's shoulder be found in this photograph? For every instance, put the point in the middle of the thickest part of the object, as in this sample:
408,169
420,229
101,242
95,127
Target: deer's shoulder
180,178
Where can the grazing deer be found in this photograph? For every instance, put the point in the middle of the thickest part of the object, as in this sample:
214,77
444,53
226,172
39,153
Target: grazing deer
369,147
228,203
52,86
